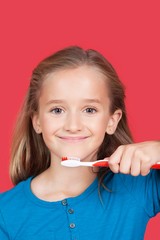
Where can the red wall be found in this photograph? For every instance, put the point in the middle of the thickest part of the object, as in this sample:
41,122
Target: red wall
126,32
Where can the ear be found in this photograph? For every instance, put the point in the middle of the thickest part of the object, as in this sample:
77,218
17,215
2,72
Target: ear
113,122
36,123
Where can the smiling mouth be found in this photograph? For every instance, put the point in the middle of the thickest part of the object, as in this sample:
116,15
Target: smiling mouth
73,139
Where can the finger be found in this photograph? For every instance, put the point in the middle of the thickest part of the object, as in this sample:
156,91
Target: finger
115,159
145,166
114,168
126,160
144,160
135,167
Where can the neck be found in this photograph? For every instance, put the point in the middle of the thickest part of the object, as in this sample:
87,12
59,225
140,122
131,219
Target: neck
71,175
59,182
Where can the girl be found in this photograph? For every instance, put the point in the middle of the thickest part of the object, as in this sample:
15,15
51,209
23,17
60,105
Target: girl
75,107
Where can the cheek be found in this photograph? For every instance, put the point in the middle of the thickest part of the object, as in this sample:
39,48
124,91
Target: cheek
99,127
48,124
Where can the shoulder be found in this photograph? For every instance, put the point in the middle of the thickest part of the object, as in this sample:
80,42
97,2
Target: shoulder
144,189
152,179
13,196
144,186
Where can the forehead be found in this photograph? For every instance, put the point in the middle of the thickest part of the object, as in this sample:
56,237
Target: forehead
81,81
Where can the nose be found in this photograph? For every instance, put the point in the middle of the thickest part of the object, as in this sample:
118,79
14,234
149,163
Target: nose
73,122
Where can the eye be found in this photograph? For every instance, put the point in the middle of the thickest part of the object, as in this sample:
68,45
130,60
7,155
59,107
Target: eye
57,110
90,110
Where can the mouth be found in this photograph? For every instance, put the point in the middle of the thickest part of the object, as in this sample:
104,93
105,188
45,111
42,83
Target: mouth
76,139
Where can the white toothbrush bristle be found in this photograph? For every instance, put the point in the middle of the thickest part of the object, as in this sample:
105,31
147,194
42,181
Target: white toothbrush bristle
74,158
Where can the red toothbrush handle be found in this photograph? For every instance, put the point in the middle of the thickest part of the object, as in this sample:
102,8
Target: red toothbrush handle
101,164
156,166
105,164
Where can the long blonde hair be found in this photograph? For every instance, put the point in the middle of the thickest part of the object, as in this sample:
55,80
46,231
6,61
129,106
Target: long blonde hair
29,154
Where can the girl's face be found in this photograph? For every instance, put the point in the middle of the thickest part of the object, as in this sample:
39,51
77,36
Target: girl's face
74,113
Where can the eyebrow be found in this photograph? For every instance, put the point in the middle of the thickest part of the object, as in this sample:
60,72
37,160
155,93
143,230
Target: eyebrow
55,101
88,100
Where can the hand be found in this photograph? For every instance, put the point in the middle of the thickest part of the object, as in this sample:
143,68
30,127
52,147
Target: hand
135,158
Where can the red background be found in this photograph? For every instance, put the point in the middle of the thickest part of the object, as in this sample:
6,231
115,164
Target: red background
126,32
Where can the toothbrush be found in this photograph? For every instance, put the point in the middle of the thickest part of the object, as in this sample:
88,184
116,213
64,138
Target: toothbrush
75,162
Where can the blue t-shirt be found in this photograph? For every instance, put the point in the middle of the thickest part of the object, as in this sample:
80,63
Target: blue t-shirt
119,214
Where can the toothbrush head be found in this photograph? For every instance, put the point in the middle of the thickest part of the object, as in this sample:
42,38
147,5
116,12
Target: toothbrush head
70,161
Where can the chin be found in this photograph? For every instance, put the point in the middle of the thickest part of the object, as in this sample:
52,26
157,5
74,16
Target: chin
79,153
